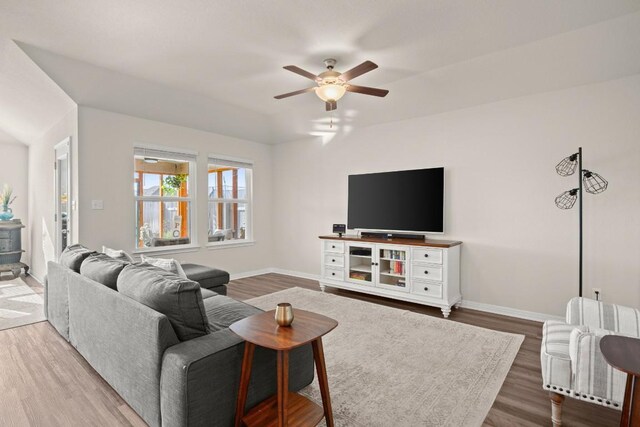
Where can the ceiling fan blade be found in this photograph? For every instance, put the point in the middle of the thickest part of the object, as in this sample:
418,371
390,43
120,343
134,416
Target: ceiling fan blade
297,92
359,70
367,90
301,72
330,106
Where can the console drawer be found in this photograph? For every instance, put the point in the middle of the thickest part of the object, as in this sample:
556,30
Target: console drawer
430,272
432,256
334,274
333,246
334,260
428,289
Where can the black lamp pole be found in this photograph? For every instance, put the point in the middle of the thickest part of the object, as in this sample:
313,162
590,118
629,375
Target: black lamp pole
580,220
588,181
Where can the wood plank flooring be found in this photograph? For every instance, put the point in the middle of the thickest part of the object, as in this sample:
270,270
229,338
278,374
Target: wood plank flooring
45,382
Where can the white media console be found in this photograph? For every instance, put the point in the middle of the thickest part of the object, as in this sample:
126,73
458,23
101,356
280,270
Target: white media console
420,271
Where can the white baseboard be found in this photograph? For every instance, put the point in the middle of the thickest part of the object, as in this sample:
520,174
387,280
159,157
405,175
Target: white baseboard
296,274
508,311
37,279
246,274
489,308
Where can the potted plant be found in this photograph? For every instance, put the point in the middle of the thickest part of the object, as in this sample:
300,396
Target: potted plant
5,201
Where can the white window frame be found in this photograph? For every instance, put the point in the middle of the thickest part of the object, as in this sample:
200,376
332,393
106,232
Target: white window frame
168,153
221,160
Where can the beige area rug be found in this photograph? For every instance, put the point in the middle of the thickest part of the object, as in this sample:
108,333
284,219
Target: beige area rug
391,367
19,304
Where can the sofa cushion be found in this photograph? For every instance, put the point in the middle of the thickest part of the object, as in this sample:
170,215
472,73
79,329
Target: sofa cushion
222,311
207,277
168,264
177,298
118,254
103,269
73,256
207,293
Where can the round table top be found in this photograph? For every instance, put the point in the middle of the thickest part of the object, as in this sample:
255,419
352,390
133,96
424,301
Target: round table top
262,329
623,353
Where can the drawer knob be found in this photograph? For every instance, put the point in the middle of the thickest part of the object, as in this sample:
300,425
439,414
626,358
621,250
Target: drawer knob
333,247
426,272
426,255
333,260
426,288
333,274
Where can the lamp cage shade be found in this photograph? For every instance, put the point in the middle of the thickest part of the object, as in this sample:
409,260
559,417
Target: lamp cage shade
568,165
594,183
567,199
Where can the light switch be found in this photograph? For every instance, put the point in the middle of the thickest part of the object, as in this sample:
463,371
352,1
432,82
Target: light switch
97,204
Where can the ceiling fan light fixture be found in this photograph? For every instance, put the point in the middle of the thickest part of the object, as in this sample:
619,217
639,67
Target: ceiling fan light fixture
330,92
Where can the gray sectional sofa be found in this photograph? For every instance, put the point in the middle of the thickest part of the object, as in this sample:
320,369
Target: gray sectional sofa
170,373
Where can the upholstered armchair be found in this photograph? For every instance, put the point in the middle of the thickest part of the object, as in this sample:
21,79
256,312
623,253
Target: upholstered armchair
572,363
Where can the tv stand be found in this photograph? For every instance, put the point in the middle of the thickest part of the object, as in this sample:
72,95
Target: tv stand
421,270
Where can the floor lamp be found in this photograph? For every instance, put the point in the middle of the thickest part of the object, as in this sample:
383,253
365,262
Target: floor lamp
590,181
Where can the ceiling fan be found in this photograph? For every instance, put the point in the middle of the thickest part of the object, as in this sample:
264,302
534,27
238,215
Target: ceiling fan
332,85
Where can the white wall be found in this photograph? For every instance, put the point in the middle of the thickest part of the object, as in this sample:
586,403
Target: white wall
106,168
519,251
13,171
41,188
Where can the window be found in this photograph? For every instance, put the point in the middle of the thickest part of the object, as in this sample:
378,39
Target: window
163,189
229,190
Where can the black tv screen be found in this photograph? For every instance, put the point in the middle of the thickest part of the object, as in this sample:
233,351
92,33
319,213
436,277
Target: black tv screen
411,200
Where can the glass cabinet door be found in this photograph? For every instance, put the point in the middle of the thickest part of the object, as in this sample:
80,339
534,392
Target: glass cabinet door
360,263
393,266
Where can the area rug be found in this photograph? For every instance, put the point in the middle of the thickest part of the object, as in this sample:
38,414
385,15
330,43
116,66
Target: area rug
391,367
19,304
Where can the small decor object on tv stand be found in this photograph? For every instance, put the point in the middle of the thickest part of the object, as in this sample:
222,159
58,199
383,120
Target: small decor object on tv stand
339,229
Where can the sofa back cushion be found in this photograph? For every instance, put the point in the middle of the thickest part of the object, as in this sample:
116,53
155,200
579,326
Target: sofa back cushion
103,269
73,256
177,298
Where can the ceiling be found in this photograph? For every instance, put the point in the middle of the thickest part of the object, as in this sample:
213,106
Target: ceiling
219,63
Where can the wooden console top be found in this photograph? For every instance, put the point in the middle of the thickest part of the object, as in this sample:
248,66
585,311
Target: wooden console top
397,241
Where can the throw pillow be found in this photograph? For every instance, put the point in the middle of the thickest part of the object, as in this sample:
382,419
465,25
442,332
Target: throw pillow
103,269
177,298
166,264
73,256
117,254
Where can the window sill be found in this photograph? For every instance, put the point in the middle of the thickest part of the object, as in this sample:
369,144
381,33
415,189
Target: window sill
230,244
176,249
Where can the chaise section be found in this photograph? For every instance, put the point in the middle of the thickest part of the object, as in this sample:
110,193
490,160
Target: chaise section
200,379
208,277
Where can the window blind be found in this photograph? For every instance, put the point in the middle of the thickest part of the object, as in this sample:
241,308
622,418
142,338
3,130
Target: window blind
220,161
167,154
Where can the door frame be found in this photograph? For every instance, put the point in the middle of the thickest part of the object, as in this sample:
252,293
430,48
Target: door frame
59,150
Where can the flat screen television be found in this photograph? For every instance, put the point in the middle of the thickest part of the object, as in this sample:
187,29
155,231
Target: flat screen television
404,201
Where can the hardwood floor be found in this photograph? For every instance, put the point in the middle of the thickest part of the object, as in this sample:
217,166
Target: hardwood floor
45,382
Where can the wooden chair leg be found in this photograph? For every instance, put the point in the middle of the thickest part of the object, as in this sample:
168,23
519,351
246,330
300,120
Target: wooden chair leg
556,408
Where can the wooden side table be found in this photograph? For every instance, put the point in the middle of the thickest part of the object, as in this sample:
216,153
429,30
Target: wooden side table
623,353
285,408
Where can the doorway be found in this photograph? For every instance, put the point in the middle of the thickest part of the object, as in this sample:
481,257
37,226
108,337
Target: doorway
62,168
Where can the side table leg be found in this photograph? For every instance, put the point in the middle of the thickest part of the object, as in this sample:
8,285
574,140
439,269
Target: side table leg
245,376
321,368
630,411
283,388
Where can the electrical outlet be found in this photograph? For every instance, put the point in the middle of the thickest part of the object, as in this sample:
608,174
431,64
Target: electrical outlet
597,293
